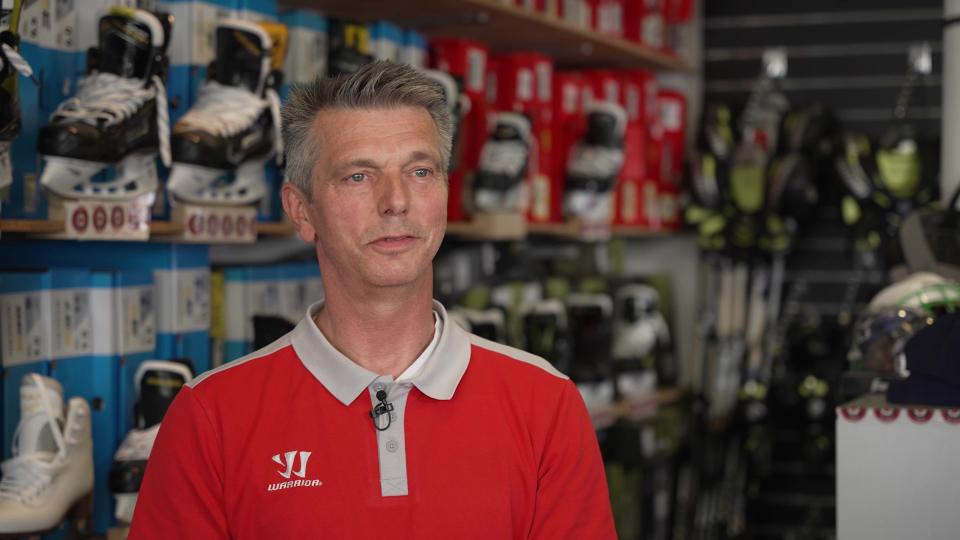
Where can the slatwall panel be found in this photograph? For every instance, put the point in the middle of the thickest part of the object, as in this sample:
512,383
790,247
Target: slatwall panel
849,54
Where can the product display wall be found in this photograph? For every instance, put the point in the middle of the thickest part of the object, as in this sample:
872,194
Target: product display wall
703,267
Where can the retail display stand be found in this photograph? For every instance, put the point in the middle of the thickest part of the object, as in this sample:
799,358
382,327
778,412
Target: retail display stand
897,473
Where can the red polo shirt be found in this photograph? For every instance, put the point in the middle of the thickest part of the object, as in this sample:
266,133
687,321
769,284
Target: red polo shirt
485,441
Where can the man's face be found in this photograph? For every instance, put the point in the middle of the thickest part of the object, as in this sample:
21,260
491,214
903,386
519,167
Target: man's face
379,205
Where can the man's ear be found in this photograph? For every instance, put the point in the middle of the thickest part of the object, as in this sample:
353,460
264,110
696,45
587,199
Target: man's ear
296,205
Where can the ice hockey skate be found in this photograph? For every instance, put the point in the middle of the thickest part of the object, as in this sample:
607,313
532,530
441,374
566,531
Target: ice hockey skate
118,117
50,476
498,185
157,383
595,163
220,146
11,63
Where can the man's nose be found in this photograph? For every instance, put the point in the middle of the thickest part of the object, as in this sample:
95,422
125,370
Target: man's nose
394,196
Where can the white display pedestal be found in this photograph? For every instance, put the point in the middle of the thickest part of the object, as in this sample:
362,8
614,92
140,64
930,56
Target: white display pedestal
898,471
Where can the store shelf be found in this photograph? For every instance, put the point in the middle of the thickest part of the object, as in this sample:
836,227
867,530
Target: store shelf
275,228
165,228
32,226
505,28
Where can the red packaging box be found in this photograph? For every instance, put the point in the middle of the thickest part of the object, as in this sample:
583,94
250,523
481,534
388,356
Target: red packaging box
467,61
643,22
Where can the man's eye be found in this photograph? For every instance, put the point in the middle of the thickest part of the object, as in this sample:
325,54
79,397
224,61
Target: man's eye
357,177
422,173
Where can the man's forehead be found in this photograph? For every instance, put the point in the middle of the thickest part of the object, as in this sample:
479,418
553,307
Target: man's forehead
339,128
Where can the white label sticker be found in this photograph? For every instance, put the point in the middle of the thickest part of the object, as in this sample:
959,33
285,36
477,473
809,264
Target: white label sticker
541,198
544,81
72,327
670,115
611,91
628,206
136,320
476,69
650,203
652,28
524,84
24,327
633,102
570,95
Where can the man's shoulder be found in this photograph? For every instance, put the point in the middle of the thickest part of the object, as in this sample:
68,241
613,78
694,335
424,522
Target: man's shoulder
514,360
245,369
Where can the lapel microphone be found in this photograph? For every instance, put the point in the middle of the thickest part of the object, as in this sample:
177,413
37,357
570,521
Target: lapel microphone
382,408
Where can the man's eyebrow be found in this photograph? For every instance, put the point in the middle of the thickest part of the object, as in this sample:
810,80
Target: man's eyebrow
361,163
423,155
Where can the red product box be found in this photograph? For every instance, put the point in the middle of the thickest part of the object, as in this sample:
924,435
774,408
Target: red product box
467,61
643,22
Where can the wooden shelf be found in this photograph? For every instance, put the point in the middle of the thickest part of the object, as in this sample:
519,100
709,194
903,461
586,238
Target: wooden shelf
35,226
568,229
275,228
505,28
165,228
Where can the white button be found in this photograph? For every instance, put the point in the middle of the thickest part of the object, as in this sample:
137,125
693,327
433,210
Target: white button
378,387
392,446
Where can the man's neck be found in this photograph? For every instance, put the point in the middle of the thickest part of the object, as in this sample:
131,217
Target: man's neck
383,332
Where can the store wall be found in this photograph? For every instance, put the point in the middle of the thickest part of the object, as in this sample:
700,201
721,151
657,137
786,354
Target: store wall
850,55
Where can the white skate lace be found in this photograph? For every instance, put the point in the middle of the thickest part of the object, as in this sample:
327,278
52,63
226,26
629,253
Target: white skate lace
18,62
106,99
503,157
137,444
226,110
25,477
596,162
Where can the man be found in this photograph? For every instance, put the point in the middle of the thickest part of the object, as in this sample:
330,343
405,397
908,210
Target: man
376,417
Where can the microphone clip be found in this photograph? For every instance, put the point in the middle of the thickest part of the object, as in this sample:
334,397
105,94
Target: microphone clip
380,409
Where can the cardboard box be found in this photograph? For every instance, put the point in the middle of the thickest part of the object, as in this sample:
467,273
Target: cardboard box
897,475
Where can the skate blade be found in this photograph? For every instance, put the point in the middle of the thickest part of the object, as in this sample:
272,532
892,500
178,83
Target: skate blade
136,177
197,185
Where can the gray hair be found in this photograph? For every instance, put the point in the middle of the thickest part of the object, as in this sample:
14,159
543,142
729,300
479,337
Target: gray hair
381,84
